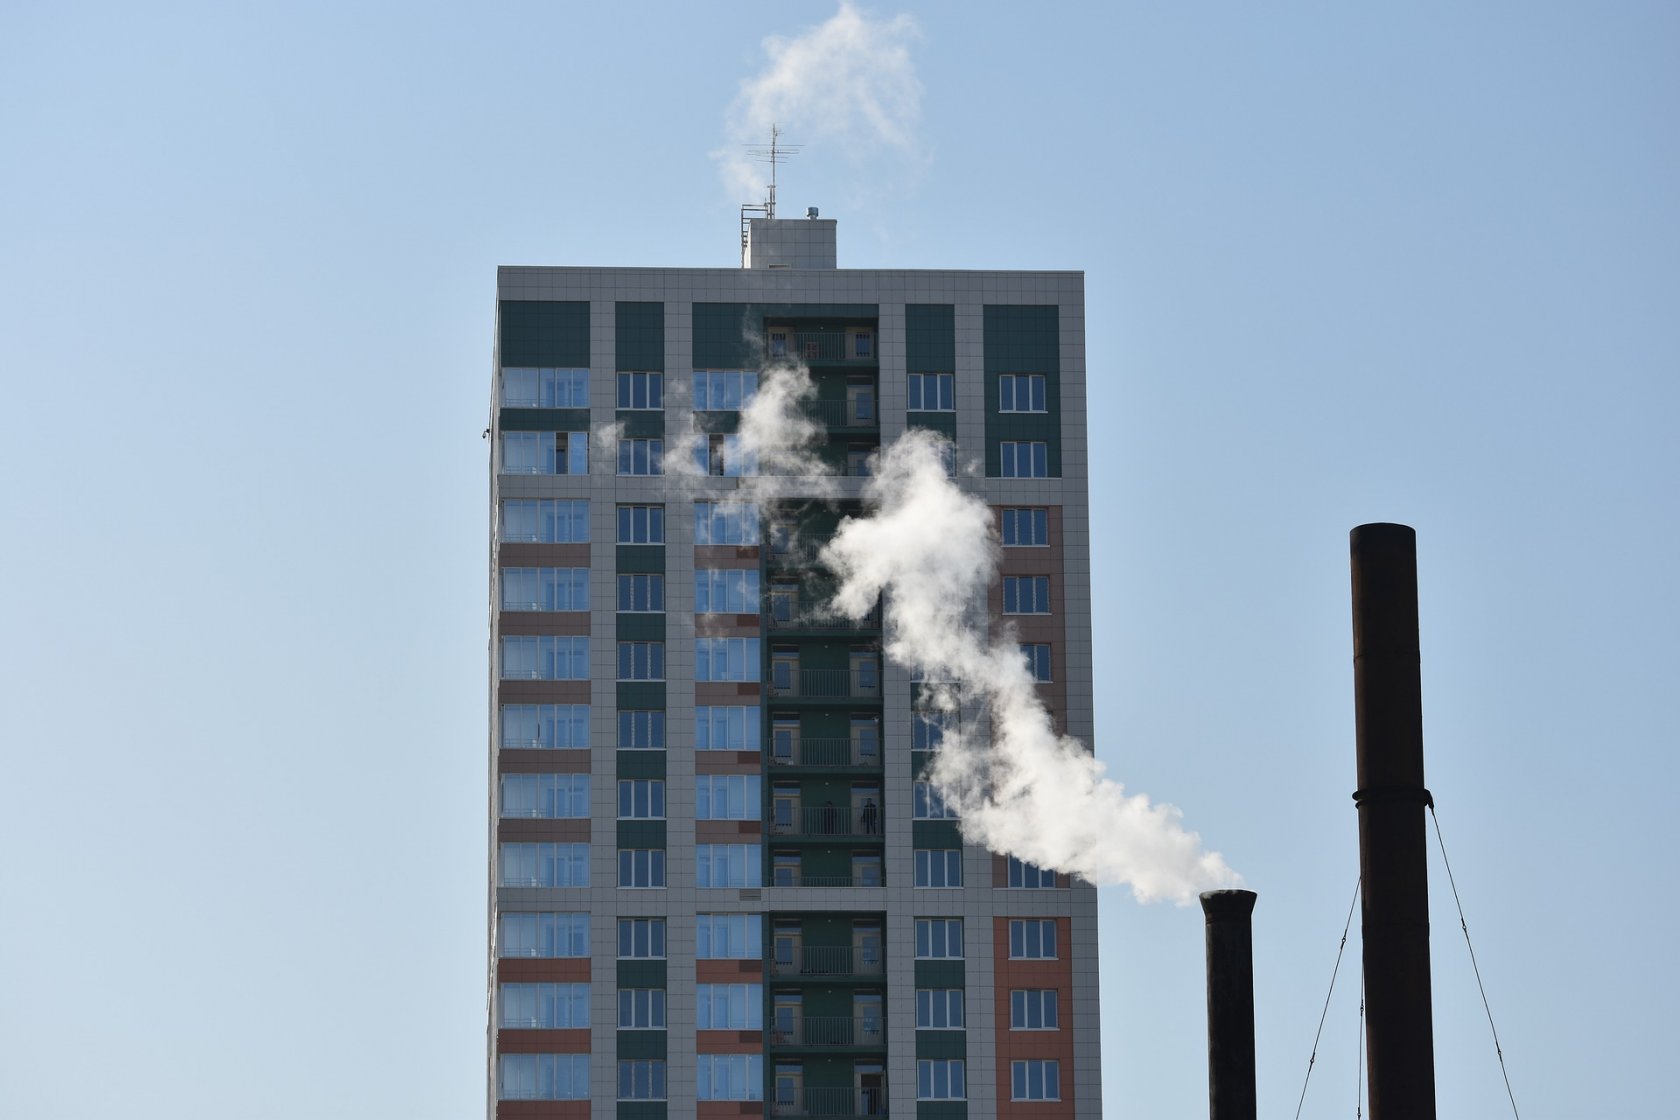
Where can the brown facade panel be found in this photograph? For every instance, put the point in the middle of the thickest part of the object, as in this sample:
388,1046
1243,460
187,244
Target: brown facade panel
521,830
542,692
726,626
1022,1045
525,555
725,692
726,832
729,1042
728,972
542,622
725,556
727,762
542,1110
515,761
727,1110
509,1041
542,970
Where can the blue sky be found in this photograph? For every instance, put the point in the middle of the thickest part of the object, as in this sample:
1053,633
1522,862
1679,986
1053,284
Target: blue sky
1407,262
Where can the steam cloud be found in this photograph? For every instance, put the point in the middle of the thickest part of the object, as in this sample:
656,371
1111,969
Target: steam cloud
930,548
848,81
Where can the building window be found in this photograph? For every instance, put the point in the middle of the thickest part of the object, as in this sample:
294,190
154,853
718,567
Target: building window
545,658
778,344
927,729
544,935
545,1006
730,1077
927,804
1037,655
725,523
641,594
641,868
545,865
545,521
1030,876
939,939
1021,392
939,1009
720,937
641,1009
729,865
729,1007
1032,939
1026,594
725,456
641,939
641,390
545,727
939,867
1024,458
932,392
642,730
545,796
940,1080
723,390
1033,1009
524,387
641,524
545,589
641,661
1037,1079
641,799
726,659
1026,527
542,1077
733,728
727,797
641,456
726,591
545,452
641,1080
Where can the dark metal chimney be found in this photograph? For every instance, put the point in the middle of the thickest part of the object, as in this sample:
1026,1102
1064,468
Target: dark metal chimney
1388,717
1230,997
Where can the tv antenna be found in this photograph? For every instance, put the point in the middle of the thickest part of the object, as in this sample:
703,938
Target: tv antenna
776,154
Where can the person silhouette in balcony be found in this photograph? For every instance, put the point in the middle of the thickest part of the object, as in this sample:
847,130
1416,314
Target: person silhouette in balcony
828,817
870,814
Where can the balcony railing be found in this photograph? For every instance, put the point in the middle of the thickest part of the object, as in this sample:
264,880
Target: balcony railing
829,820
826,960
854,412
819,1031
796,877
826,684
794,617
826,752
821,346
836,1103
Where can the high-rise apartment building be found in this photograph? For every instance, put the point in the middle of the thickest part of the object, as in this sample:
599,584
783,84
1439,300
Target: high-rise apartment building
718,886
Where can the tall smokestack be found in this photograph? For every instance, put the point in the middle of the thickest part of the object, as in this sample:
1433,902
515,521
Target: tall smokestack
1388,717
1230,997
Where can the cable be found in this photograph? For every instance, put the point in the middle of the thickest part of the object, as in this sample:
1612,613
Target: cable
1497,1049
1314,1056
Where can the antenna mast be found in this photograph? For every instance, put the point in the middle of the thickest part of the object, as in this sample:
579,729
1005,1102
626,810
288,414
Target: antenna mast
776,154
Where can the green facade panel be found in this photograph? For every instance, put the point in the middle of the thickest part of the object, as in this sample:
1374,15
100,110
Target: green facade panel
942,1110
641,423
943,422
542,333
939,974
641,1110
641,1044
1023,339
637,696
941,1044
641,834
930,337
641,558
641,627
641,974
639,336
544,420
935,834
641,764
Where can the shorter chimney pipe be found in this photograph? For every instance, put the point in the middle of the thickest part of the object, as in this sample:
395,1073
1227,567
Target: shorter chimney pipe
1230,998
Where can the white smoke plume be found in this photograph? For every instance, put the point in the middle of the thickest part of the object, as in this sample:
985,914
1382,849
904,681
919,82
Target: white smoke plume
848,83
1026,790
772,452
